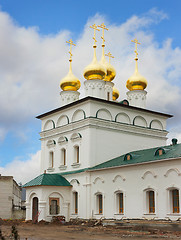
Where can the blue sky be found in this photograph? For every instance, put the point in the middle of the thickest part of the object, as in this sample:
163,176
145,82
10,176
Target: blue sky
54,16
30,29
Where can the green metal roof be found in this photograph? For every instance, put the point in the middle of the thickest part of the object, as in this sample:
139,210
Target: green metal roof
137,157
142,156
48,180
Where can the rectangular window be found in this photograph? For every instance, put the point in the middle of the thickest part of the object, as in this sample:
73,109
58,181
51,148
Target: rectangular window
51,160
120,198
77,154
63,151
76,202
100,204
108,96
151,195
175,200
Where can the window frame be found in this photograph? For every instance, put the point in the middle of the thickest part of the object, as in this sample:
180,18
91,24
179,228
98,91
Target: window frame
100,203
177,206
63,157
76,154
149,207
57,206
151,202
51,159
75,202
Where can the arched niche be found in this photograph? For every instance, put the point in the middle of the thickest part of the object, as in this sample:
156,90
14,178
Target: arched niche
51,143
49,125
78,115
122,118
62,120
156,124
140,121
62,140
74,181
104,114
75,136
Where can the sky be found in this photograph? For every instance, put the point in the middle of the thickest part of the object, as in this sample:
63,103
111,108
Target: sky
34,58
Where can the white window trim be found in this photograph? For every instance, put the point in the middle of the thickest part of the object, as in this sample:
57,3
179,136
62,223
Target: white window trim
170,203
146,201
96,205
116,203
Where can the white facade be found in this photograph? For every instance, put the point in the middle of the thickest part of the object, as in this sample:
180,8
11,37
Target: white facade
103,130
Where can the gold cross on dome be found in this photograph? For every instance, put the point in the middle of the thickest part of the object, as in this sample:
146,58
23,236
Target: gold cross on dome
95,28
103,27
136,45
109,55
71,43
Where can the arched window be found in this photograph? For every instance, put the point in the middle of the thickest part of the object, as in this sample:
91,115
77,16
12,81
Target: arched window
51,159
119,203
151,199
149,203
175,200
75,202
99,202
128,157
159,152
63,156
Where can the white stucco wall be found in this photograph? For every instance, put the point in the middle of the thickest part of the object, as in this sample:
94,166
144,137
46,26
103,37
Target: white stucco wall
102,127
133,181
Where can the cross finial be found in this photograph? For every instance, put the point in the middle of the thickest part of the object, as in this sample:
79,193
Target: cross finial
71,43
136,44
109,55
103,28
95,28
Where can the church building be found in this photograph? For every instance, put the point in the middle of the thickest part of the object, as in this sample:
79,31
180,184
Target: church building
104,158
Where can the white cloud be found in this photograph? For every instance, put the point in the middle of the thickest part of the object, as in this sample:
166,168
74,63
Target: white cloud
23,171
31,65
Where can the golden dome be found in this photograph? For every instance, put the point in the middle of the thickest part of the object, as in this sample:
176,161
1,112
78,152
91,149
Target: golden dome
70,82
115,94
136,81
94,70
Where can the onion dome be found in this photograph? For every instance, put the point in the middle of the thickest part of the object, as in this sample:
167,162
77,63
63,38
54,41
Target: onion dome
136,81
115,94
70,82
94,70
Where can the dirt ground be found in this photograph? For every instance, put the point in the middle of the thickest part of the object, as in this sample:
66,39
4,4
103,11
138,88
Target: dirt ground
54,231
